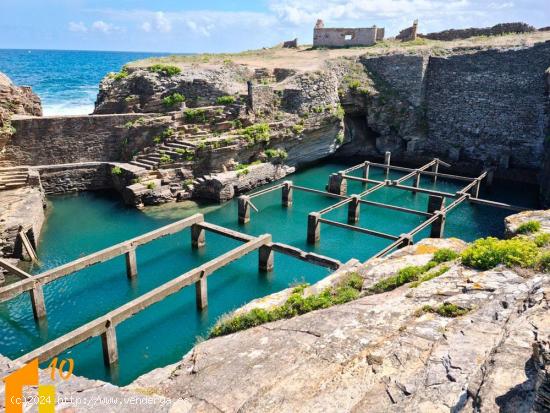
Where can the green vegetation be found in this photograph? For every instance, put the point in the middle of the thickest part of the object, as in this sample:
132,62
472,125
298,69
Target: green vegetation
116,170
164,159
487,253
415,273
529,227
151,185
242,168
226,100
236,124
123,74
543,262
444,310
166,134
339,112
278,155
188,154
340,137
195,116
135,123
173,100
259,132
542,239
167,70
347,290
298,129
354,84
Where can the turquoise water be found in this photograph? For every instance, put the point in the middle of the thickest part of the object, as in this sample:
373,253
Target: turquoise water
67,81
162,334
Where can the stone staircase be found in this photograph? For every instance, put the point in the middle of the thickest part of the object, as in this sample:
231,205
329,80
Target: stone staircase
13,177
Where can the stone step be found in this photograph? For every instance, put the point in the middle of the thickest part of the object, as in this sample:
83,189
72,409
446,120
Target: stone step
153,157
179,144
147,162
141,165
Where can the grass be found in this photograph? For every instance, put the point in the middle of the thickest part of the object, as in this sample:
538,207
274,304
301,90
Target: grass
298,129
543,262
347,290
173,100
167,70
444,310
226,100
116,170
151,185
166,134
259,132
430,276
164,159
195,116
487,253
340,137
542,239
529,227
278,155
123,74
188,154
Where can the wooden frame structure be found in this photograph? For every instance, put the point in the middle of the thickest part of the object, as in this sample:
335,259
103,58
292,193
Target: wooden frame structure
105,326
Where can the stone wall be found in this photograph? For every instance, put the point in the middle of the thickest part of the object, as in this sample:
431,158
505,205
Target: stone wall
496,30
71,139
340,37
60,179
489,106
305,92
262,98
545,176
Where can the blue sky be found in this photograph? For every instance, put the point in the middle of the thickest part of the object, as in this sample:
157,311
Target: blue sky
225,25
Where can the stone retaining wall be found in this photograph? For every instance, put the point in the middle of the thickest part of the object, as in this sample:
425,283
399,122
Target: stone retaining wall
60,179
499,29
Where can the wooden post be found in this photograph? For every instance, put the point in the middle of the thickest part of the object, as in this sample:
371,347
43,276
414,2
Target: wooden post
337,184
38,302
131,264
198,236
435,169
244,209
266,258
366,172
201,292
475,190
417,181
435,205
387,160
407,240
109,343
313,228
354,210
287,194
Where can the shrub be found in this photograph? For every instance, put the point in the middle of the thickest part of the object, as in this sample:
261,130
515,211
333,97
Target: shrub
354,84
151,185
444,255
165,159
236,124
166,134
298,129
123,74
529,227
543,262
173,100
116,170
276,154
339,112
340,137
487,253
444,310
195,116
430,276
259,132
347,290
188,154
226,100
542,240
167,70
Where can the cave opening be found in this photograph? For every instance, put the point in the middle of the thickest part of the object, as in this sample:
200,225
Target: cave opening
358,132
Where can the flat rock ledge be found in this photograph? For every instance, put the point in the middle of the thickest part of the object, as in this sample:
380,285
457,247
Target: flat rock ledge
513,222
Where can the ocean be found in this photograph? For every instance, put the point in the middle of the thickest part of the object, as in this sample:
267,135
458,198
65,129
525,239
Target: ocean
67,81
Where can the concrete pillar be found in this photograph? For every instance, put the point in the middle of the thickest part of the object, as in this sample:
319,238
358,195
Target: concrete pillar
110,348
198,236
313,228
288,193
38,302
416,183
131,264
201,292
436,204
387,160
337,184
266,258
366,170
406,241
435,169
354,209
244,209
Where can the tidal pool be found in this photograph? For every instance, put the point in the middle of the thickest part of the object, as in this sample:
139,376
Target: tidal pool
80,224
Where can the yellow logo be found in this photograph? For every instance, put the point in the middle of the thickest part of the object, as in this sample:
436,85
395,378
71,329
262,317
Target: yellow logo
28,376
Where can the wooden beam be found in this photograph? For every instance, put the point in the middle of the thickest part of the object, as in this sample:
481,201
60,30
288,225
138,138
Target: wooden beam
28,246
12,269
359,229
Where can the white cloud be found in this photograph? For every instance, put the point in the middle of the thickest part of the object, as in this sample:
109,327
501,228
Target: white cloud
146,27
78,27
162,22
102,26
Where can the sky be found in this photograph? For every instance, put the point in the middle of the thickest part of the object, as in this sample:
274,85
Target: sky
194,26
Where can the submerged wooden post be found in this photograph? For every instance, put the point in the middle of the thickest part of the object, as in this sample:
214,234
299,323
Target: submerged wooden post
198,236
387,160
337,184
265,258
131,264
110,348
435,169
201,291
313,228
416,183
435,206
287,194
38,302
354,210
244,209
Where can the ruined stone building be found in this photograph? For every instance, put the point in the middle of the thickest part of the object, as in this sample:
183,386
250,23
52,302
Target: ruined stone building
408,34
342,37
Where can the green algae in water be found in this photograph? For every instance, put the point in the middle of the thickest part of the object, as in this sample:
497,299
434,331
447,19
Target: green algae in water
81,224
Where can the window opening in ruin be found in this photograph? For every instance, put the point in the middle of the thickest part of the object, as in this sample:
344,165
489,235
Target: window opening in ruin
348,37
